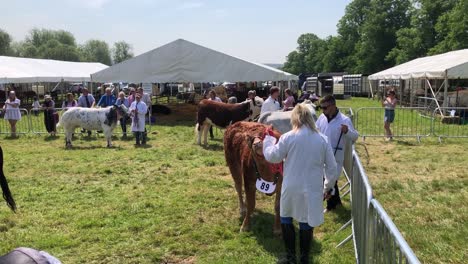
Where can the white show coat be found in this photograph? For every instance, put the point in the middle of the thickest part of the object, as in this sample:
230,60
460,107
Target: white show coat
138,124
333,130
305,153
270,105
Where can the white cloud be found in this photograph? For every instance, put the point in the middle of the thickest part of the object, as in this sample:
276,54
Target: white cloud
191,5
221,13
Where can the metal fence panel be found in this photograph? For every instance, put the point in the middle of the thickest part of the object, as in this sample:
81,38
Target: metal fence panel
22,125
37,120
409,122
454,123
361,195
386,244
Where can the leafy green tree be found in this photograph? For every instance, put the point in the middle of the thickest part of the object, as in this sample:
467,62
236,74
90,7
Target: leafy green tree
378,37
95,51
294,63
122,51
5,41
453,26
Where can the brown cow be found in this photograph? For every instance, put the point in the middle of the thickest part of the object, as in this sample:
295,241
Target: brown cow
219,114
240,152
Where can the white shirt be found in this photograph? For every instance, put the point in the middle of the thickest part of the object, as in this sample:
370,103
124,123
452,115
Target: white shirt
305,153
138,119
270,105
333,130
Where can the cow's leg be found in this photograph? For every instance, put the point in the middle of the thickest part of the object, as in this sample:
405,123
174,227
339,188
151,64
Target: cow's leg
199,130
277,225
68,138
108,134
206,127
250,202
237,177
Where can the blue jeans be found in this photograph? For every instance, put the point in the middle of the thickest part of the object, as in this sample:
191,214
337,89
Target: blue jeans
289,221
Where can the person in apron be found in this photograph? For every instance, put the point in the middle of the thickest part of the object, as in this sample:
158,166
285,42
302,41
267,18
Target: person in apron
138,111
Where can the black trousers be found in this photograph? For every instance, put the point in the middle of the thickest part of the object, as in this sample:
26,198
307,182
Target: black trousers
211,132
335,199
49,122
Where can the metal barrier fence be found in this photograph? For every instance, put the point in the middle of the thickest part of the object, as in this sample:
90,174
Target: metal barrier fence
386,244
22,125
409,122
34,121
376,238
416,122
454,123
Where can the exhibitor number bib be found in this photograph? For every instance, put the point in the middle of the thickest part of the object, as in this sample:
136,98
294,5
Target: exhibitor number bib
265,186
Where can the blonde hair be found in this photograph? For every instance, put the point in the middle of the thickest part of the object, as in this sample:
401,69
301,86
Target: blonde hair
121,93
301,116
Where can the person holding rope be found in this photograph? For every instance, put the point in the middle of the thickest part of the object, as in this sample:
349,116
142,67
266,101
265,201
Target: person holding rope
338,128
138,111
306,152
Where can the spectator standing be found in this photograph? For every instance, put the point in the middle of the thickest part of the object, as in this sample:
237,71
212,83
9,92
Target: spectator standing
123,120
212,97
107,99
288,104
389,104
12,111
36,106
70,102
49,115
271,104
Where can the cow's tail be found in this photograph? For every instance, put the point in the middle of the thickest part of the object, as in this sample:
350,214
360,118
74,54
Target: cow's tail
5,189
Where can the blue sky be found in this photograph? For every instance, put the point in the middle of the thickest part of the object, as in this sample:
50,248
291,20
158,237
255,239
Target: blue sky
258,30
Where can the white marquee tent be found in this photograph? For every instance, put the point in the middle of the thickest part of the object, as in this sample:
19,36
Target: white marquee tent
184,61
447,66
26,70
451,65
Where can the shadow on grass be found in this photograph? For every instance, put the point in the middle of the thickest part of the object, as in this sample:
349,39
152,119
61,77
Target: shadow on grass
262,228
51,138
213,147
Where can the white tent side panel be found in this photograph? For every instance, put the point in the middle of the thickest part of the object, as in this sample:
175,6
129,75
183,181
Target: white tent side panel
183,61
26,70
455,63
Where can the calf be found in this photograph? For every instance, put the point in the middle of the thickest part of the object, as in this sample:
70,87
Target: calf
219,114
247,164
104,119
4,184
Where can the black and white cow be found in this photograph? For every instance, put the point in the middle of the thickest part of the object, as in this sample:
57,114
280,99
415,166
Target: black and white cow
104,119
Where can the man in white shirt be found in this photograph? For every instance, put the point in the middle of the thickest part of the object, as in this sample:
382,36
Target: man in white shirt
138,111
146,98
271,104
338,128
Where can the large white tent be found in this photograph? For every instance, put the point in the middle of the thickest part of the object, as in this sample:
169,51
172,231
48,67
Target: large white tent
26,70
446,66
450,65
184,61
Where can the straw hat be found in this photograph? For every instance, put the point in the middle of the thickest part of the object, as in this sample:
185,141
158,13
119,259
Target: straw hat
47,96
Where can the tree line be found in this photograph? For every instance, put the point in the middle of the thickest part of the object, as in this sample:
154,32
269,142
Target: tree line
374,35
61,45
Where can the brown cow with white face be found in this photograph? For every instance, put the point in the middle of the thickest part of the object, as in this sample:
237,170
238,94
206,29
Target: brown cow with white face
244,156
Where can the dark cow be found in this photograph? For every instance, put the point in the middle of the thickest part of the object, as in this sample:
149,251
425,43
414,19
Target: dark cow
5,189
247,163
219,114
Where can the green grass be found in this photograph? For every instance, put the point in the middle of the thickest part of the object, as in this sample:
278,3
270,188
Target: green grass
171,202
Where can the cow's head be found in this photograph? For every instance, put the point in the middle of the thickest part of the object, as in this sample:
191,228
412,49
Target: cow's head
255,144
115,113
255,107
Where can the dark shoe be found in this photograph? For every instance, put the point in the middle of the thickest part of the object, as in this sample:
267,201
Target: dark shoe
289,238
305,237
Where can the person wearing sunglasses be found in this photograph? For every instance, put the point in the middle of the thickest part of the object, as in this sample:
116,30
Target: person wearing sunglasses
338,128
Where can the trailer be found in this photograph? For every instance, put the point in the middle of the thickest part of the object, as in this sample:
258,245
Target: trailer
356,85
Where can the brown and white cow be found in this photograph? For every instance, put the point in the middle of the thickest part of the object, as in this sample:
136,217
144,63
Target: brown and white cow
241,152
219,114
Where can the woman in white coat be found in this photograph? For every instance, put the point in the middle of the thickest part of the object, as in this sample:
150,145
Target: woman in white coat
306,153
138,111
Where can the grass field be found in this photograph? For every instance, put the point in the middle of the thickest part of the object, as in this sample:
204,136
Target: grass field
173,202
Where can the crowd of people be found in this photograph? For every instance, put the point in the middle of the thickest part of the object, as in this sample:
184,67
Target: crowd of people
138,102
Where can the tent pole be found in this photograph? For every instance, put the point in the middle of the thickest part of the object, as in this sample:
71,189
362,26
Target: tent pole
446,84
371,89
